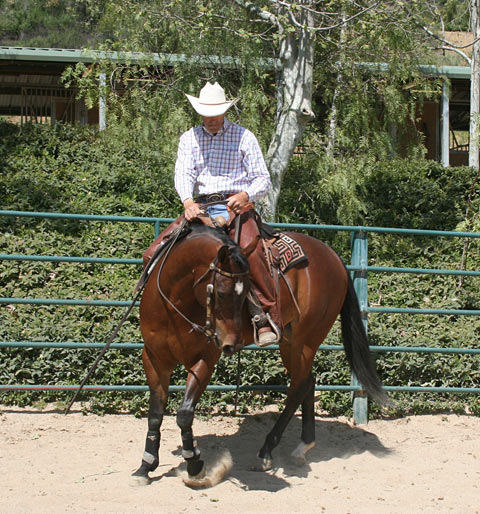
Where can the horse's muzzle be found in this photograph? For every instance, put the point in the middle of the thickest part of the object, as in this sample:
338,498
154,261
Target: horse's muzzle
229,349
230,344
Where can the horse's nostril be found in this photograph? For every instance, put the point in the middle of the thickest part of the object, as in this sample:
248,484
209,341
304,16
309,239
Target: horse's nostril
228,349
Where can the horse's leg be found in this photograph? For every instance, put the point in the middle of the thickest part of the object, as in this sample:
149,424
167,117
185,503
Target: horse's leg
297,394
198,378
308,425
158,382
300,392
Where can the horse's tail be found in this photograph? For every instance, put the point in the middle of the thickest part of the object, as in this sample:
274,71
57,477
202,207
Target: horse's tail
357,349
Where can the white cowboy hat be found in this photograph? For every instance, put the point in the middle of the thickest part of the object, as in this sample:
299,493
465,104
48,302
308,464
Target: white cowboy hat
212,101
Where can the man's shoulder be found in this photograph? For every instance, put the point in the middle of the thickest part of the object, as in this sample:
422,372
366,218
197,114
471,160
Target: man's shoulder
190,134
241,132
231,125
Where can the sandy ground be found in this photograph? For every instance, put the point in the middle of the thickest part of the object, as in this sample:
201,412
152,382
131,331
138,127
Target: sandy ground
53,463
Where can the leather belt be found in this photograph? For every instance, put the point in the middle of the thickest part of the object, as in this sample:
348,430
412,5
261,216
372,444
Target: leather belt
214,197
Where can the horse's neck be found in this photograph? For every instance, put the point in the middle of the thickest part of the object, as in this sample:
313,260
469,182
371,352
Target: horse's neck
193,257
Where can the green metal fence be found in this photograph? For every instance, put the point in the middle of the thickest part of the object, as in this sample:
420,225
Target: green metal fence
359,269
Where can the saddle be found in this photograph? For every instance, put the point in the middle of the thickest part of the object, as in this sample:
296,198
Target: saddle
270,255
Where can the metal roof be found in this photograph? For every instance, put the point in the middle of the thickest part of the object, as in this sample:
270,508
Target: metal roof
452,72
30,72
63,55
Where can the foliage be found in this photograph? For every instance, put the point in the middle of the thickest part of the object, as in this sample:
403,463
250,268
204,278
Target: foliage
126,170
78,170
455,14
54,24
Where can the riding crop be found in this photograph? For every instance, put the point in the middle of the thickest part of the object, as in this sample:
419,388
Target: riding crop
139,289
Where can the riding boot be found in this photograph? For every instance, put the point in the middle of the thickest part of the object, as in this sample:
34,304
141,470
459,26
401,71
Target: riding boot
249,240
264,288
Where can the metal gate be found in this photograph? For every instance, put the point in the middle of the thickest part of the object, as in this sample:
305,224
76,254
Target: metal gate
359,269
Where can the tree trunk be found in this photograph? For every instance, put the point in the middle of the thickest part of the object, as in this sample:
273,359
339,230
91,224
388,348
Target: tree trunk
333,124
294,105
474,86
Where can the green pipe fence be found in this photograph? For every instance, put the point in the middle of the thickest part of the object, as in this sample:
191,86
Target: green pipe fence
358,268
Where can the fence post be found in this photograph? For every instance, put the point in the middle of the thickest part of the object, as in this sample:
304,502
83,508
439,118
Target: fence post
359,243
157,229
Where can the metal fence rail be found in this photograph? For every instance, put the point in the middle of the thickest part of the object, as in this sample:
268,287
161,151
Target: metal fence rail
359,269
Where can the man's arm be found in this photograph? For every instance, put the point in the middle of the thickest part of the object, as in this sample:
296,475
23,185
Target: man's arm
185,172
257,171
185,177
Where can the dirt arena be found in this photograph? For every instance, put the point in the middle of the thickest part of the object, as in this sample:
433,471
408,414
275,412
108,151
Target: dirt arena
82,464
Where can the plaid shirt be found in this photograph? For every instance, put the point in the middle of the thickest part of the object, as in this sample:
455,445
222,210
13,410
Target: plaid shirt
229,162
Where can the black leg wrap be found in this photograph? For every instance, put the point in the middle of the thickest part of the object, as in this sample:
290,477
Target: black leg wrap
150,456
308,413
185,418
271,441
189,445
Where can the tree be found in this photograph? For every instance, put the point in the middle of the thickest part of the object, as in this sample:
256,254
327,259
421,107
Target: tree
58,23
292,32
433,20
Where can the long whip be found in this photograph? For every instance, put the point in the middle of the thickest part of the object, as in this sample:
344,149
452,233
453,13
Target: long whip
141,286
104,349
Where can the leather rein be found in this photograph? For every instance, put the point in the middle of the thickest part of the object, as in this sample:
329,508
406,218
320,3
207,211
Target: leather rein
208,329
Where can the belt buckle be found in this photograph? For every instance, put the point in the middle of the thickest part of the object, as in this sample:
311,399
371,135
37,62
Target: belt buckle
215,197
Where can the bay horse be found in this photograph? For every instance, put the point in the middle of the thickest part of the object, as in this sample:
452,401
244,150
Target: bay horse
193,308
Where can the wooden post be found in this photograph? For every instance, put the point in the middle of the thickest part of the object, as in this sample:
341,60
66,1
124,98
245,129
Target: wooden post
102,104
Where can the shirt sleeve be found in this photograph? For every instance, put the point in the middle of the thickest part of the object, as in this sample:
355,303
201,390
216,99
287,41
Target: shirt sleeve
257,171
185,173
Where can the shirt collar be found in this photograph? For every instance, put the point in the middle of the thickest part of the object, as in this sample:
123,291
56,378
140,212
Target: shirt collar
222,131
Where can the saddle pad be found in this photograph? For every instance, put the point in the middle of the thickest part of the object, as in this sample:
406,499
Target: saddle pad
290,252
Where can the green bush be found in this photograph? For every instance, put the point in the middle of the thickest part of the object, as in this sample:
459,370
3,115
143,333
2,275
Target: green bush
121,172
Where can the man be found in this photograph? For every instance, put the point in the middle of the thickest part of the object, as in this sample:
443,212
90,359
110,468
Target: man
222,160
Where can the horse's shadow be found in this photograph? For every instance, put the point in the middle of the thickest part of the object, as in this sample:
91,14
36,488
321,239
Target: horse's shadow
334,439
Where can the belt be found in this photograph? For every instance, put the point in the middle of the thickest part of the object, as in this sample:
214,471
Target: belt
214,197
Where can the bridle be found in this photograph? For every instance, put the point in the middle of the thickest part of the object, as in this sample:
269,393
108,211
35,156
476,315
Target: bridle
208,329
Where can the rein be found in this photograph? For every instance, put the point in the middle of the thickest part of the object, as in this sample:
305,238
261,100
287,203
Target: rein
208,330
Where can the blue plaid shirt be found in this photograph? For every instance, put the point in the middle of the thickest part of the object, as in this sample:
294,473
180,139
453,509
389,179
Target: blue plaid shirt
229,162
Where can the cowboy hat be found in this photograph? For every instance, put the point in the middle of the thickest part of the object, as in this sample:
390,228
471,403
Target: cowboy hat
212,101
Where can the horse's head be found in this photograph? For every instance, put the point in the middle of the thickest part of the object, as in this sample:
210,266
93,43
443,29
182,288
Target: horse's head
226,295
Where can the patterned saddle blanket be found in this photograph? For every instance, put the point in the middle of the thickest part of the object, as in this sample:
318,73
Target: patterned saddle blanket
290,251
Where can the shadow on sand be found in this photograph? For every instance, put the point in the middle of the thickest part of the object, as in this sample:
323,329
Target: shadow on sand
334,440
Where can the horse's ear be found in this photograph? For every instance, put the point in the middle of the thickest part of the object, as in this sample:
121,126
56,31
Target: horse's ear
223,254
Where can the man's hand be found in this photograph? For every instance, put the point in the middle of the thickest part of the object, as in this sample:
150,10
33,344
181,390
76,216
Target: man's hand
237,202
192,209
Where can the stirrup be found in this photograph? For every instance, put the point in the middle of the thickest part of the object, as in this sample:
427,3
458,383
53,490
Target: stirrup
268,340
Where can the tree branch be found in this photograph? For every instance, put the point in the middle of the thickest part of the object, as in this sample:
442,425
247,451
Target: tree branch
445,41
456,50
347,20
253,9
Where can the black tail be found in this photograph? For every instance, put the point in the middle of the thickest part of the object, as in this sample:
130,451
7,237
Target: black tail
357,349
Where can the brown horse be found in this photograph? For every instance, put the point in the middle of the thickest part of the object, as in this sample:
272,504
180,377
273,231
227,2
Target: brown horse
196,295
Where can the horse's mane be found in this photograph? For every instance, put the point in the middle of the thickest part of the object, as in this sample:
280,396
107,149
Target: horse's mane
235,250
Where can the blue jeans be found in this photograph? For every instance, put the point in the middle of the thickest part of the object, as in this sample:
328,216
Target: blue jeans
218,209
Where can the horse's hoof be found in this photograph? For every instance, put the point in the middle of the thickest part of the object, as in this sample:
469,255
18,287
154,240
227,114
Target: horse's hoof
265,464
196,481
199,475
298,455
141,480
